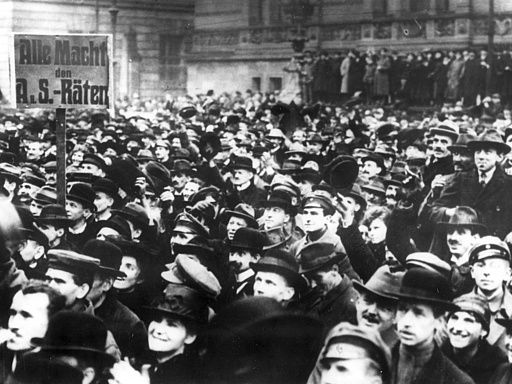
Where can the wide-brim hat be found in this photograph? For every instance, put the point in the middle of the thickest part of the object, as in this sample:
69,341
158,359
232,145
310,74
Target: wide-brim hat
278,198
383,283
275,238
489,139
243,211
83,194
317,255
341,172
280,266
375,186
54,214
247,238
357,194
446,128
109,254
419,284
242,162
462,142
37,368
465,217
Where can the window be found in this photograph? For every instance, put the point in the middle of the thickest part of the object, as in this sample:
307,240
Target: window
379,7
170,54
420,5
275,84
256,84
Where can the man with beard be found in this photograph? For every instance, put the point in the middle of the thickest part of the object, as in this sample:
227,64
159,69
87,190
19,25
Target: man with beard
333,290
376,306
486,188
35,152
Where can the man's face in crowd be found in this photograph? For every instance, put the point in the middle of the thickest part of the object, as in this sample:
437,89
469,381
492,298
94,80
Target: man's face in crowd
64,283
179,179
464,330
233,224
270,284
314,219
275,141
92,169
459,240
305,187
299,137
370,169
489,274
375,312
161,153
131,268
241,176
103,202
324,280
106,231
28,319
373,198
415,322
508,345
189,189
314,147
75,210
30,250
51,232
35,151
168,336
181,237
462,160
176,143
35,208
275,217
100,286
377,231
486,159
440,144
335,370
25,190
239,259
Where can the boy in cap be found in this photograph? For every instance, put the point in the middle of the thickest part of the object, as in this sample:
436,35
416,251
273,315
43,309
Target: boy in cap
466,345
277,276
423,298
80,207
489,259
352,354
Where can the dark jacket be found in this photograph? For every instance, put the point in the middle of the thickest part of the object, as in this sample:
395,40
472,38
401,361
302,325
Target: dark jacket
128,330
503,374
482,365
438,370
338,305
492,203
181,369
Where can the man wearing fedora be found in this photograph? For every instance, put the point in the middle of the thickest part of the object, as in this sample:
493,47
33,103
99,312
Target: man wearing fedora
80,208
376,306
240,217
244,191
423,298
467,346
333,296
486,188
128,330
490,259
277,276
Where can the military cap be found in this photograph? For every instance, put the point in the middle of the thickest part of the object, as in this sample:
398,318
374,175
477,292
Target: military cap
281,183
91,158
278,198
188,271
109,254
186,223
203,193
317,255
117,223
163,144
476,304
489,247
428,261
33,180
72,262
316,200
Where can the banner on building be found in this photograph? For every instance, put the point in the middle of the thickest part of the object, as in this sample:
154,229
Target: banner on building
62,71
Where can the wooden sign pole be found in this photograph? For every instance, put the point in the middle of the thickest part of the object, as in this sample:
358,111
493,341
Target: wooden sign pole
61,156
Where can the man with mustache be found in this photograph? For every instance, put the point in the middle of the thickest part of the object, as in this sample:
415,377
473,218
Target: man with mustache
376,307
244,191
486,188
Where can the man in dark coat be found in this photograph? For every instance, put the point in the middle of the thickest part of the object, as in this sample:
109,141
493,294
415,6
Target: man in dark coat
469,85
486,189
244,191
336,295
424,296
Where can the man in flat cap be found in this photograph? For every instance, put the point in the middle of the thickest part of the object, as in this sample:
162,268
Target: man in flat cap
352,354
489,259
333,296
467,346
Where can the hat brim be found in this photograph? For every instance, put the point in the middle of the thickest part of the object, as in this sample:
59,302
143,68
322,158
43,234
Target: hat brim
99,357
294,278
112,271
336,258
500,147
442,304
361,288
446,225
54,220
443,132
251,222
153,312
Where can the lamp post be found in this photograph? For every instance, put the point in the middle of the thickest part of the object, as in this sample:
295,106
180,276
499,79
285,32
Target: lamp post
113,10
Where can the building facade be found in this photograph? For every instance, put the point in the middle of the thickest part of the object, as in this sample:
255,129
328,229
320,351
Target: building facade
244,44
150,37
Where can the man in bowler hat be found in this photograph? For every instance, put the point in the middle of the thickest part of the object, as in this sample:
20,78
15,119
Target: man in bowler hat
244,191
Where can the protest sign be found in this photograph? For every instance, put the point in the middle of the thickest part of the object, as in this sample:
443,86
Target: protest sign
62,71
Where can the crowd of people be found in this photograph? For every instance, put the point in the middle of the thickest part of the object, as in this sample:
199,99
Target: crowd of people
241,239
426,78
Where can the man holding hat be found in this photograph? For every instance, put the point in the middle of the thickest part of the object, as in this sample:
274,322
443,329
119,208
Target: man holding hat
486,188
277,276
352,354
423,298
467,346
333,295
376,307
489,259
